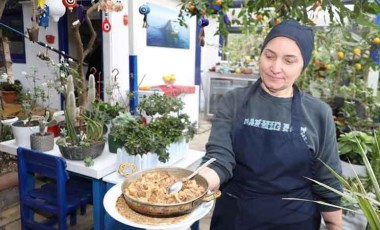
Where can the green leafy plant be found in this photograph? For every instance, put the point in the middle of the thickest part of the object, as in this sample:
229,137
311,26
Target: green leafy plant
160,104
7,86
159,123
90,132
273,10
5,132
365,198
352,145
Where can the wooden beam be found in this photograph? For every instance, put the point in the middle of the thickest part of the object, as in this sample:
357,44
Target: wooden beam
2,7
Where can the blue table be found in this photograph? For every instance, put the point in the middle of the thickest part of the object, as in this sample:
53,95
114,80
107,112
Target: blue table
104,165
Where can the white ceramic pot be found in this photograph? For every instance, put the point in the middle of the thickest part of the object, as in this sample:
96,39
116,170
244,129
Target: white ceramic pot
349,170
9,120
22,134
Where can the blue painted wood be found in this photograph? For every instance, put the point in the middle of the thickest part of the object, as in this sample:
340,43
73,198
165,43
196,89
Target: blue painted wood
133,83
99,190
198,59
55,199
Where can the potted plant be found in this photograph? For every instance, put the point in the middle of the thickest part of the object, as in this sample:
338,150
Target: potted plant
118,133
362,195
351,146
42,140
158,134
34,104
10,91
83,137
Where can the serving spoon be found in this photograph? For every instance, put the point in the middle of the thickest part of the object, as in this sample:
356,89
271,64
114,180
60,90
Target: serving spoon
177,186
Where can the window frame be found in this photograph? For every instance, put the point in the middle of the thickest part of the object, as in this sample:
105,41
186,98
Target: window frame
18,15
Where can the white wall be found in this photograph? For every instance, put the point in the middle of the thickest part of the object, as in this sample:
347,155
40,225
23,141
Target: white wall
209,52
157,61
32,49
122,41
116,53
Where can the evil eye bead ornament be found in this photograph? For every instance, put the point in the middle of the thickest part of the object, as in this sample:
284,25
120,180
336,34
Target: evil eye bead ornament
70,4
203,22
144,10
106,25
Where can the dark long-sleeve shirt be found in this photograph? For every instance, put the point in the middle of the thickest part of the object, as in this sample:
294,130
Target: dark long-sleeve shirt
317,128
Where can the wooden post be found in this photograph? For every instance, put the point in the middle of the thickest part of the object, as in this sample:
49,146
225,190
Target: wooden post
6,54
2,7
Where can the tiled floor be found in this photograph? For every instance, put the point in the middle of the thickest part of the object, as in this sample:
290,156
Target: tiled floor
10,218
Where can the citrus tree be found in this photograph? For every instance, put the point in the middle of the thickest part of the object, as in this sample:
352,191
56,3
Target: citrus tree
251,11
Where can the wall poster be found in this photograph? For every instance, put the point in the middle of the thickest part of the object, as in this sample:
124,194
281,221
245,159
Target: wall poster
164,29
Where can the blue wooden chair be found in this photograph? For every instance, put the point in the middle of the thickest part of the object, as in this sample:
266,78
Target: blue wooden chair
57,198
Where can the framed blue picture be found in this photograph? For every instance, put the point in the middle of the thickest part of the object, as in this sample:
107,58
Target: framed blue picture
164,29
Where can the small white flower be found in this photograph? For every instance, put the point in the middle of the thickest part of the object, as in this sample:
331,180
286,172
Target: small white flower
4,76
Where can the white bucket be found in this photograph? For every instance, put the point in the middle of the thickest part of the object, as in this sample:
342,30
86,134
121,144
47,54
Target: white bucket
22,134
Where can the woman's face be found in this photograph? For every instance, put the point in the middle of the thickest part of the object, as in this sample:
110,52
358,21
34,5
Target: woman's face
280,65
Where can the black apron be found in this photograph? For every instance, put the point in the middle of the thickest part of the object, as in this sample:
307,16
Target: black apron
270,165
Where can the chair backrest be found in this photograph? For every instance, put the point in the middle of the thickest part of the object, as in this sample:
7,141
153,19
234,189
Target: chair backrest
31,162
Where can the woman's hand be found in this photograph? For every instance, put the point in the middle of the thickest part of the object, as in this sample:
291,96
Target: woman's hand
333,220
212,178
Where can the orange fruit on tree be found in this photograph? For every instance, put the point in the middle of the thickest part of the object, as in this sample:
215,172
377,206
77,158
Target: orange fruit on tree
340,55
376,41
358,66
259,17
218,2
277,21
191,7
357,51
328,66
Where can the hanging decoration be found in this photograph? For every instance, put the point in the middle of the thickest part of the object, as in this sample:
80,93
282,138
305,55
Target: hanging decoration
118,6
106,25
125,20
56,9
203,22
43,15
81,13
144,10
70,4
110,6
33,31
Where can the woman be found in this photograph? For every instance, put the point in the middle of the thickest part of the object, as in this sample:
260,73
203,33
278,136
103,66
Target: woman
267,138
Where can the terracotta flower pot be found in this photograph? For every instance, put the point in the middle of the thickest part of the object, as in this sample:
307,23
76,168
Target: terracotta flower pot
9,96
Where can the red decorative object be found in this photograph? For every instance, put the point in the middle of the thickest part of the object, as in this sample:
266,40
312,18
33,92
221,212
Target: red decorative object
70,4
50,38
106,25
54,129
125,20
174,90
